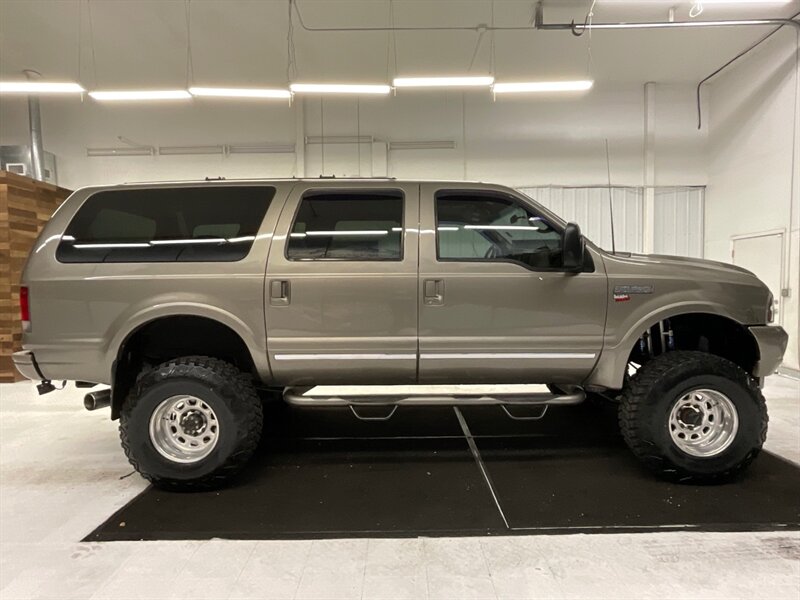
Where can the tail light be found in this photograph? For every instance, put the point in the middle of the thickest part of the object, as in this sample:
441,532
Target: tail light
24,307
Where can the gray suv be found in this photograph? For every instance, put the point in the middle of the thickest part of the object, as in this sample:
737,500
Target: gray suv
195,301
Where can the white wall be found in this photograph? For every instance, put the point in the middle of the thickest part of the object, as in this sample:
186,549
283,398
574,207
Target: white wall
523,140
753,173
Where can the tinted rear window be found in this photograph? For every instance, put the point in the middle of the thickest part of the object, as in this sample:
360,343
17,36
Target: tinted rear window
166,225
358,226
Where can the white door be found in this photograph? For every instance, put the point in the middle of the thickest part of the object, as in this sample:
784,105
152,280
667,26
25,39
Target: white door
763,255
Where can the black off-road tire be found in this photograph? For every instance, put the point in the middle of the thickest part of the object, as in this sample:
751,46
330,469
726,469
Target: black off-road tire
648,398
230,394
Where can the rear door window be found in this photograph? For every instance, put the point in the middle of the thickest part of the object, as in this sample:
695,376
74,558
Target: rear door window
187,224
357,226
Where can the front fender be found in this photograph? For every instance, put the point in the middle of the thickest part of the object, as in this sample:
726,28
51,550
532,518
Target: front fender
609,372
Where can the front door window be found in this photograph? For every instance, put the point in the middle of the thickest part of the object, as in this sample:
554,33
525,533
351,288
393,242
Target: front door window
494,228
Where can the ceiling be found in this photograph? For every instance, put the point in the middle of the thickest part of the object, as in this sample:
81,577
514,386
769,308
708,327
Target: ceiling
142,44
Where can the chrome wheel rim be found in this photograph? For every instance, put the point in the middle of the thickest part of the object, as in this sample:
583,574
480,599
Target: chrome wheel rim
184,429
703,423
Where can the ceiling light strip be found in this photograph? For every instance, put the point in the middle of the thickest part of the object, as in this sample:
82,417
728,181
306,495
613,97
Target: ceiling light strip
40,87
217,92
542,86
339,88
423,82
122,95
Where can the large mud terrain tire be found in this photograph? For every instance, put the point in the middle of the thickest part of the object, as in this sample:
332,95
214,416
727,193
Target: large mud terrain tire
191,423
693,417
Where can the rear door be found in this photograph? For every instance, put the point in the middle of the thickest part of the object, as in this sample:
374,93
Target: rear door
341,285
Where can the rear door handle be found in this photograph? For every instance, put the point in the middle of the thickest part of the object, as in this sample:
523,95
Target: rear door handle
433,292
279,292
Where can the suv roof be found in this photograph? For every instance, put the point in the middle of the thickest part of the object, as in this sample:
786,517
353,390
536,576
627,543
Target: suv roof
293,180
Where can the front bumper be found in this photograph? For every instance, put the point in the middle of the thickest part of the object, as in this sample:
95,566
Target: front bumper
772,341
26,364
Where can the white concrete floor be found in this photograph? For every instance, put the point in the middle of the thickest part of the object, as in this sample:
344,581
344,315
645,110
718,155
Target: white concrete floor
62,474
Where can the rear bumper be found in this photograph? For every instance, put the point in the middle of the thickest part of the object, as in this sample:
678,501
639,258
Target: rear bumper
772,341
26,364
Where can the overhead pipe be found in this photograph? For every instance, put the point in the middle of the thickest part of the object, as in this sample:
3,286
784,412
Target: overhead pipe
35,125
734,59
579,29
538,23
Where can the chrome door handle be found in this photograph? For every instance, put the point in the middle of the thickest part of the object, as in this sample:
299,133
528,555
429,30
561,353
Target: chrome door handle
433,292
279,292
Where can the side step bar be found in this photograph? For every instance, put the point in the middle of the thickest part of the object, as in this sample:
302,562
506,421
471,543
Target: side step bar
296,397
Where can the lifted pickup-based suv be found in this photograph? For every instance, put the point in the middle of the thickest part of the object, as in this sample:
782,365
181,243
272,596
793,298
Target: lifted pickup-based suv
188,299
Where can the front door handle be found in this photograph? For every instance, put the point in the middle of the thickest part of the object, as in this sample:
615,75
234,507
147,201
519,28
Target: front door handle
279,292
433,292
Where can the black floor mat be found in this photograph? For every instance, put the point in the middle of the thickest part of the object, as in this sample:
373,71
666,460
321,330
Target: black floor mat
325,474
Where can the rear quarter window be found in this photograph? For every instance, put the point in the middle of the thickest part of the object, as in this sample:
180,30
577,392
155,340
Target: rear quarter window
187,224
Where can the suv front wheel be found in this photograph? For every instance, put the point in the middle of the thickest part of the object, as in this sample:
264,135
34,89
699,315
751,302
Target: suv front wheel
693,417
191,423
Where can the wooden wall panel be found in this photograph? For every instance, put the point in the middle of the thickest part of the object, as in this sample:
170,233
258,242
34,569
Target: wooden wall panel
25,206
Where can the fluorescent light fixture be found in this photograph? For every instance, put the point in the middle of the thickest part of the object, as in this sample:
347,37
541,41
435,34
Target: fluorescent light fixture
338,88
260,148
39,87
240,92
410,82
542,86
113,95
423,145
178,150
122,151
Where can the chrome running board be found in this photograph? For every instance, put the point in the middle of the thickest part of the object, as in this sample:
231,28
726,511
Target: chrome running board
296,397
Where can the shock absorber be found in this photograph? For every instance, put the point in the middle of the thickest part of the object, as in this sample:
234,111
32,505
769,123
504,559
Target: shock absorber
670,335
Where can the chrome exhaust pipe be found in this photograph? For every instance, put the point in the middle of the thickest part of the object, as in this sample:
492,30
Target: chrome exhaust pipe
95,400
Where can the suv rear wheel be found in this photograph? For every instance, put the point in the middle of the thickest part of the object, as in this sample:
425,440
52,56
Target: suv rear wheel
693,417
191,423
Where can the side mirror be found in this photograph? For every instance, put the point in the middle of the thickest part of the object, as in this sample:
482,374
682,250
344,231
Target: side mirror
572,247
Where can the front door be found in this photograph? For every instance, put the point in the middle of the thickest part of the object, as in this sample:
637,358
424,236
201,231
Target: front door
495,304
341,285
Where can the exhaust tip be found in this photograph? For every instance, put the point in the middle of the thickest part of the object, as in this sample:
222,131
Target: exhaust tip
96,400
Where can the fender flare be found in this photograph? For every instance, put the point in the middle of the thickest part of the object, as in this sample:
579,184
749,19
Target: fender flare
609,372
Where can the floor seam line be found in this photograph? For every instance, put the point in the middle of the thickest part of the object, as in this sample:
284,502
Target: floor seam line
479,461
